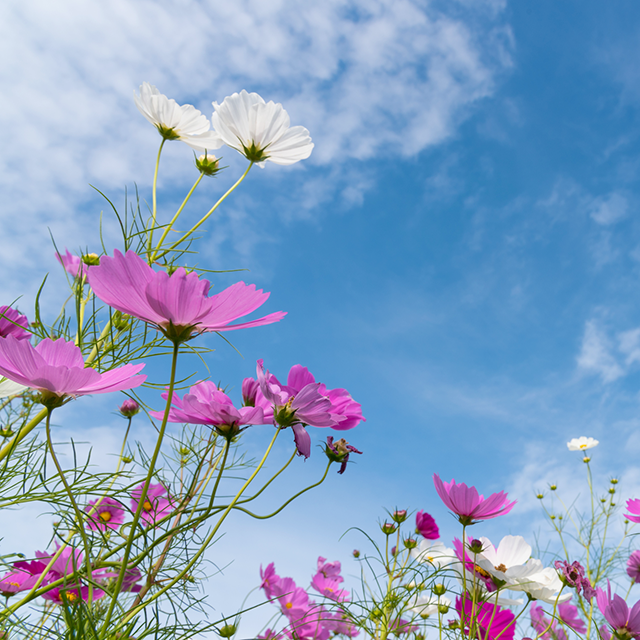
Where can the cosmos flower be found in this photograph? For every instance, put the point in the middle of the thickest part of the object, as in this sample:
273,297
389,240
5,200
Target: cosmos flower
491,621
582,443
57,369
156,505
206,404
624,622
633,510
260,131
109,514
339,451
178,304
73,265
129,408
329,587
10,388
633,566
468,505
426,526
174,121
16,581
13,323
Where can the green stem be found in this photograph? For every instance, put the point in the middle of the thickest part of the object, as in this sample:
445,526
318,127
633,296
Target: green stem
175,217
206,216
143,495
153,197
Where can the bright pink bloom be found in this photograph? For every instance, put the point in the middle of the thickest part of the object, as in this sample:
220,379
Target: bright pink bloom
491,620
633,507
57,367
339,624
330,569
178,304
69,561
633,566
330,587
155,506
129,583
426,526
16,581
267,635
480,574
270,581
624,622
206,404
109,514
293,600
568,613
72,264
309,626
468,505
71,594
302,402
546,628
573,575
13,323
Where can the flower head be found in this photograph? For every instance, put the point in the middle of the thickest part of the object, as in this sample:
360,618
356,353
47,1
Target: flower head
270,580
491,621
13,323
633,566
426,526
206,404
155,506
582,444
72,264
174,121
178,304
129,408
468,505
108,514
633,509
57,369
624,622
569,615
339,451
260,130
329,587
16,581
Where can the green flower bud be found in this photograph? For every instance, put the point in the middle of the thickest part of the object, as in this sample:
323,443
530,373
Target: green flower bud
227,631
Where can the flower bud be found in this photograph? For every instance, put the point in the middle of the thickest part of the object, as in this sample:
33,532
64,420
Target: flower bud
127,459
553,487
91,259
129,408
209,165
614,480
439,589
399,516
227,631
6,433
443,609
586,459
355,553
612,490
552,517
475,546
540,496
410,543
120,321
388,528
394,551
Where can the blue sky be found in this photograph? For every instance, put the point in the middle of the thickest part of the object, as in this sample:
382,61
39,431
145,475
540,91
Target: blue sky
461,251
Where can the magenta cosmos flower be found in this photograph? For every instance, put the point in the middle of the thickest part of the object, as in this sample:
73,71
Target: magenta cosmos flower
302,401
468,505
155,506
633,508
16,581
178,304
56,368
426,526
13,323
109,514
633,566
624,622
206,404
490,620
72,264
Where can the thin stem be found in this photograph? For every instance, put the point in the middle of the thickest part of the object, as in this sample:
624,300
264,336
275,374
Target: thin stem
206,216
153,197
175,217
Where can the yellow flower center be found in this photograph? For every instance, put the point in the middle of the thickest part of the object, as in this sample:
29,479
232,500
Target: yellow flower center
72,596
105,516
583,446
147,506
289,605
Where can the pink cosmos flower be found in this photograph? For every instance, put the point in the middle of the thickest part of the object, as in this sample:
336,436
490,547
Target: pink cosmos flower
309,626
73,265
206,404
13,323
340,451
68,562
178,304
330,569
72,594
468,505
574,576
330,587
16,581
569,615
56,368
109,514
303,401
270,581
339,624
426,526
293,600
633,566
633,507
401,627
545,627
155,506
624,622
129,583
491,620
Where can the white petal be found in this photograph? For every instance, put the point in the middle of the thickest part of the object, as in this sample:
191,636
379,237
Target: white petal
10,388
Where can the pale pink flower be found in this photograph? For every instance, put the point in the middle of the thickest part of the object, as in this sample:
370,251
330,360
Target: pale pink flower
13,323
109,514
73,265
155,506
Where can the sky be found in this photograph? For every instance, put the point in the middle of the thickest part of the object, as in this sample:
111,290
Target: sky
461,251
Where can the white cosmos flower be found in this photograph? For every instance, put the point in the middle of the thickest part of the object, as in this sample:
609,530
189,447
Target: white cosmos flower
174,121
433,553
10,388
582,443
541,584
260,130
427,604
512,553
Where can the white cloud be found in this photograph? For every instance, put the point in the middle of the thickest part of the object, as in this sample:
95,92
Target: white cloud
596,354
609,210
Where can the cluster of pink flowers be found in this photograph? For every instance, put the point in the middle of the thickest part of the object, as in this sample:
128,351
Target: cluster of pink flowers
107,513
26,574
307,619
551,629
